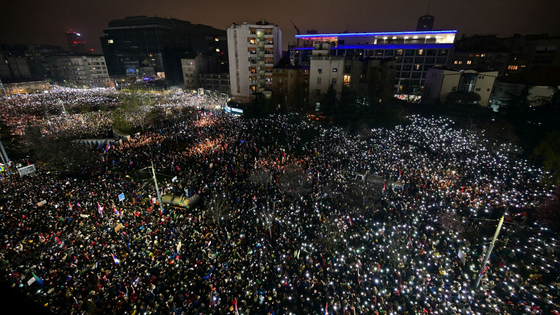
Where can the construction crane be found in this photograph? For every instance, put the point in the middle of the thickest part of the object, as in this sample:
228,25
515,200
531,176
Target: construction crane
298,32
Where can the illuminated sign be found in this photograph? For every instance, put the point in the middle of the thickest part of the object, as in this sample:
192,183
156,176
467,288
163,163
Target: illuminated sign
377,34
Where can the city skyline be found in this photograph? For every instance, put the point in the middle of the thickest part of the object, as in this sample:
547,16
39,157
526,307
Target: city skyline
36,24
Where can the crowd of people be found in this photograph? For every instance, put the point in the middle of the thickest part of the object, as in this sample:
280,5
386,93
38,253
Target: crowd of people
285,225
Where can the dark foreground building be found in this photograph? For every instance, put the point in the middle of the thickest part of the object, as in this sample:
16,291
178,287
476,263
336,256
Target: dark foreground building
133,43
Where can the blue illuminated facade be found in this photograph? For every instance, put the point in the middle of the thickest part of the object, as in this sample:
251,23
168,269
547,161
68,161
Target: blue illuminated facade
415,52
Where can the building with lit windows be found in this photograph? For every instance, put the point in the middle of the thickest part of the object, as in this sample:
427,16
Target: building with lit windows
466,87
25,87
415,53
254,50
137,42
195,64
214,82
80,71
366,80
509,55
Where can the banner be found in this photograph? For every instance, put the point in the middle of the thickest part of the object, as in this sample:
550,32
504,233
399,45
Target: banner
119,227
26,170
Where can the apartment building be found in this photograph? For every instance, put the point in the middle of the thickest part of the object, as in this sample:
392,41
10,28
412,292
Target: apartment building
254,50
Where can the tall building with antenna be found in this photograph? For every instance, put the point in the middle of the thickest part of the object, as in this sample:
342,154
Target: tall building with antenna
426,22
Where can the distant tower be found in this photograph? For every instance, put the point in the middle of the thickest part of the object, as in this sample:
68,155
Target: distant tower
75,43
426,22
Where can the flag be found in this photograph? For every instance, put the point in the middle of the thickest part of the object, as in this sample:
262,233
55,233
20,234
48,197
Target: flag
37,279
115,259
107,147
100,209
116,211
462,257
483,271
399,172
384,186
326,308
236,311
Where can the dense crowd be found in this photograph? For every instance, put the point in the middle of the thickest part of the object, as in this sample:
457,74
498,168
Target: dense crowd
286,226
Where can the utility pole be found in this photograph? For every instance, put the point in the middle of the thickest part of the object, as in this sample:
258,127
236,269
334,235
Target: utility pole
157,188
489,251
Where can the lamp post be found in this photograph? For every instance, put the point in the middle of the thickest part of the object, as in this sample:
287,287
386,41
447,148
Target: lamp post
487,256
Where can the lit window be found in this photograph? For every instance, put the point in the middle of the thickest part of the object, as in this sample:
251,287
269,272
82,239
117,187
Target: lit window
217,49
110,41
455,62
334,69
346,79
420,52
216,39
512,67
482,55
469,62
460,62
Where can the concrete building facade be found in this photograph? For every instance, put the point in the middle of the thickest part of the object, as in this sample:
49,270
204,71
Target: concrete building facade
80,71
290,86
14,68
215,82
367,79
254,50
441,83
194,65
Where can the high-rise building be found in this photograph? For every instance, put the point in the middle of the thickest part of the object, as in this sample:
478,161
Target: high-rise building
415,53
254,50
425,23
80,71
141,41
75,42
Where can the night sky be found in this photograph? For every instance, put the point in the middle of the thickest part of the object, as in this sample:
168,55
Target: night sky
46,21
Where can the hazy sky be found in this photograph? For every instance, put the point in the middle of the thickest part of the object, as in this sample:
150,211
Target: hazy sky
46,21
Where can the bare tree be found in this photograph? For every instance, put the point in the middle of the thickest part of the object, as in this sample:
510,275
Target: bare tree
293,181
217,209
330,233
268,217
261,178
